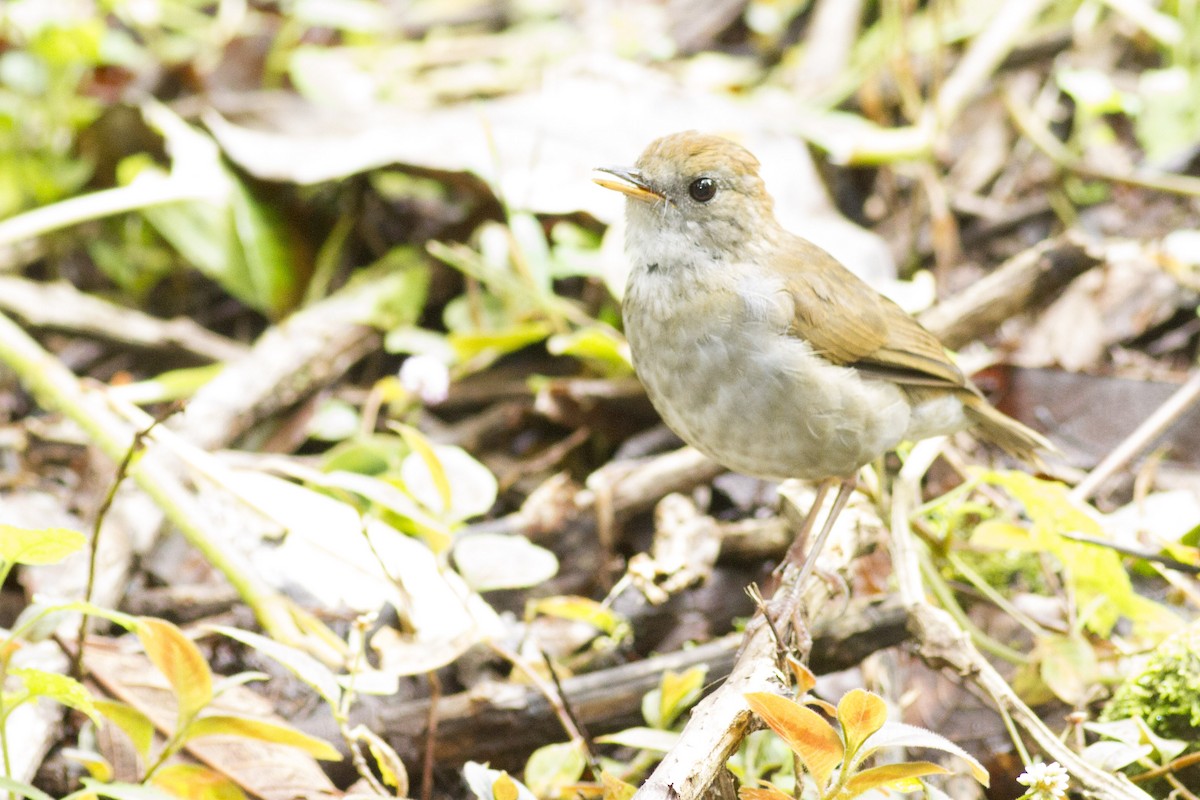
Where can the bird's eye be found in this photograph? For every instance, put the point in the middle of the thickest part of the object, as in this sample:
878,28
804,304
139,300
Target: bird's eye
702,189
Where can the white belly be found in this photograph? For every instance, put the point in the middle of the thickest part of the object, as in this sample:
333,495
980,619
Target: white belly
756,400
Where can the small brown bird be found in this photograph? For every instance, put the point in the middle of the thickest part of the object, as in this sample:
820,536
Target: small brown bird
760,349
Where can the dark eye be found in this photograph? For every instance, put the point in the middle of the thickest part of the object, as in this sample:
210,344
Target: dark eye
703,189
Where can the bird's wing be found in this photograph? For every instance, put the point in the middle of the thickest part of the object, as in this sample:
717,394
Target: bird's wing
877,337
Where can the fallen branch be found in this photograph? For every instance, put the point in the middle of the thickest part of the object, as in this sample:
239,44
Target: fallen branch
507,724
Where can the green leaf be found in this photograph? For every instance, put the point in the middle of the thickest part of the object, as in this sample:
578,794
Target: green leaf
224,725
597,345
180,661
261,234
196,782
399,294
552,768
61,689
860,713
40,546
1068,666
891,776
299,663
136,725
226,232
487,346
642,738
899,734
582,609
22,789
126,621
805,731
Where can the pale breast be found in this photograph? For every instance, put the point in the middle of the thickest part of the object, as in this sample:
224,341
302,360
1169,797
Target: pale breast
720,368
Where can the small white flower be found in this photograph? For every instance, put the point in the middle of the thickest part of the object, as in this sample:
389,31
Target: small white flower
1045,781
426,377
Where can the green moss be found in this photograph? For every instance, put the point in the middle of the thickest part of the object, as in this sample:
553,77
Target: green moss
1166,693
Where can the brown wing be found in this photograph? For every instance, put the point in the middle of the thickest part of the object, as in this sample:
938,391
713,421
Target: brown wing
880,337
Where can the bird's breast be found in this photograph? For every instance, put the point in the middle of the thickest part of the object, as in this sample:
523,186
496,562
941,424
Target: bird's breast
717,362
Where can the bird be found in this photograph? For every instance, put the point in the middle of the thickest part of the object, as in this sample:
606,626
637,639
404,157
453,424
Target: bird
762,350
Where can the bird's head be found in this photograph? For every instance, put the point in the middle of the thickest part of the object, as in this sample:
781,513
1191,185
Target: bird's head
694,194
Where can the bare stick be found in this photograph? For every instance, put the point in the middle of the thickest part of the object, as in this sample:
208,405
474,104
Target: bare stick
1143,437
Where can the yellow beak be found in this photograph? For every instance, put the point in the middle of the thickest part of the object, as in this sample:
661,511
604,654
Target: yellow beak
629,181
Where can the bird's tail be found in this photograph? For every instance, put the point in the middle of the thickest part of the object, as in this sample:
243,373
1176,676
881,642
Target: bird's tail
1005,432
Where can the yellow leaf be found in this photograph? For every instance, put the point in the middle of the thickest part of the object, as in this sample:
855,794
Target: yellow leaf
136,725
420,445
679,690
861,714
803,730
891,776
263,731
615,788
180,661
44,546
194,782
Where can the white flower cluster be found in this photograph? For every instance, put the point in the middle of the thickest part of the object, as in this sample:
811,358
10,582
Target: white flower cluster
1045,781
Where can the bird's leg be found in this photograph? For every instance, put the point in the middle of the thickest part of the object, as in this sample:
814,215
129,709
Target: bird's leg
845,489
785,605
795,554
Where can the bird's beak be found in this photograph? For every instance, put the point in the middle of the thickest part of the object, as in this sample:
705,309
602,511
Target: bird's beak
629,181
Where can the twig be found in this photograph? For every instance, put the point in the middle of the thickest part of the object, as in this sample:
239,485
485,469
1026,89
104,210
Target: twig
59,306
1025,282
1142,437
553,695
589,751
435,695
1166,561
135,447
1064,159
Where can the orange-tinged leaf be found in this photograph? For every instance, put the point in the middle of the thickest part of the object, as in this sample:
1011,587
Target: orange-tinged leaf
802,676
180,661
222,725
891,776
861,714
194,782
764,792
805,731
